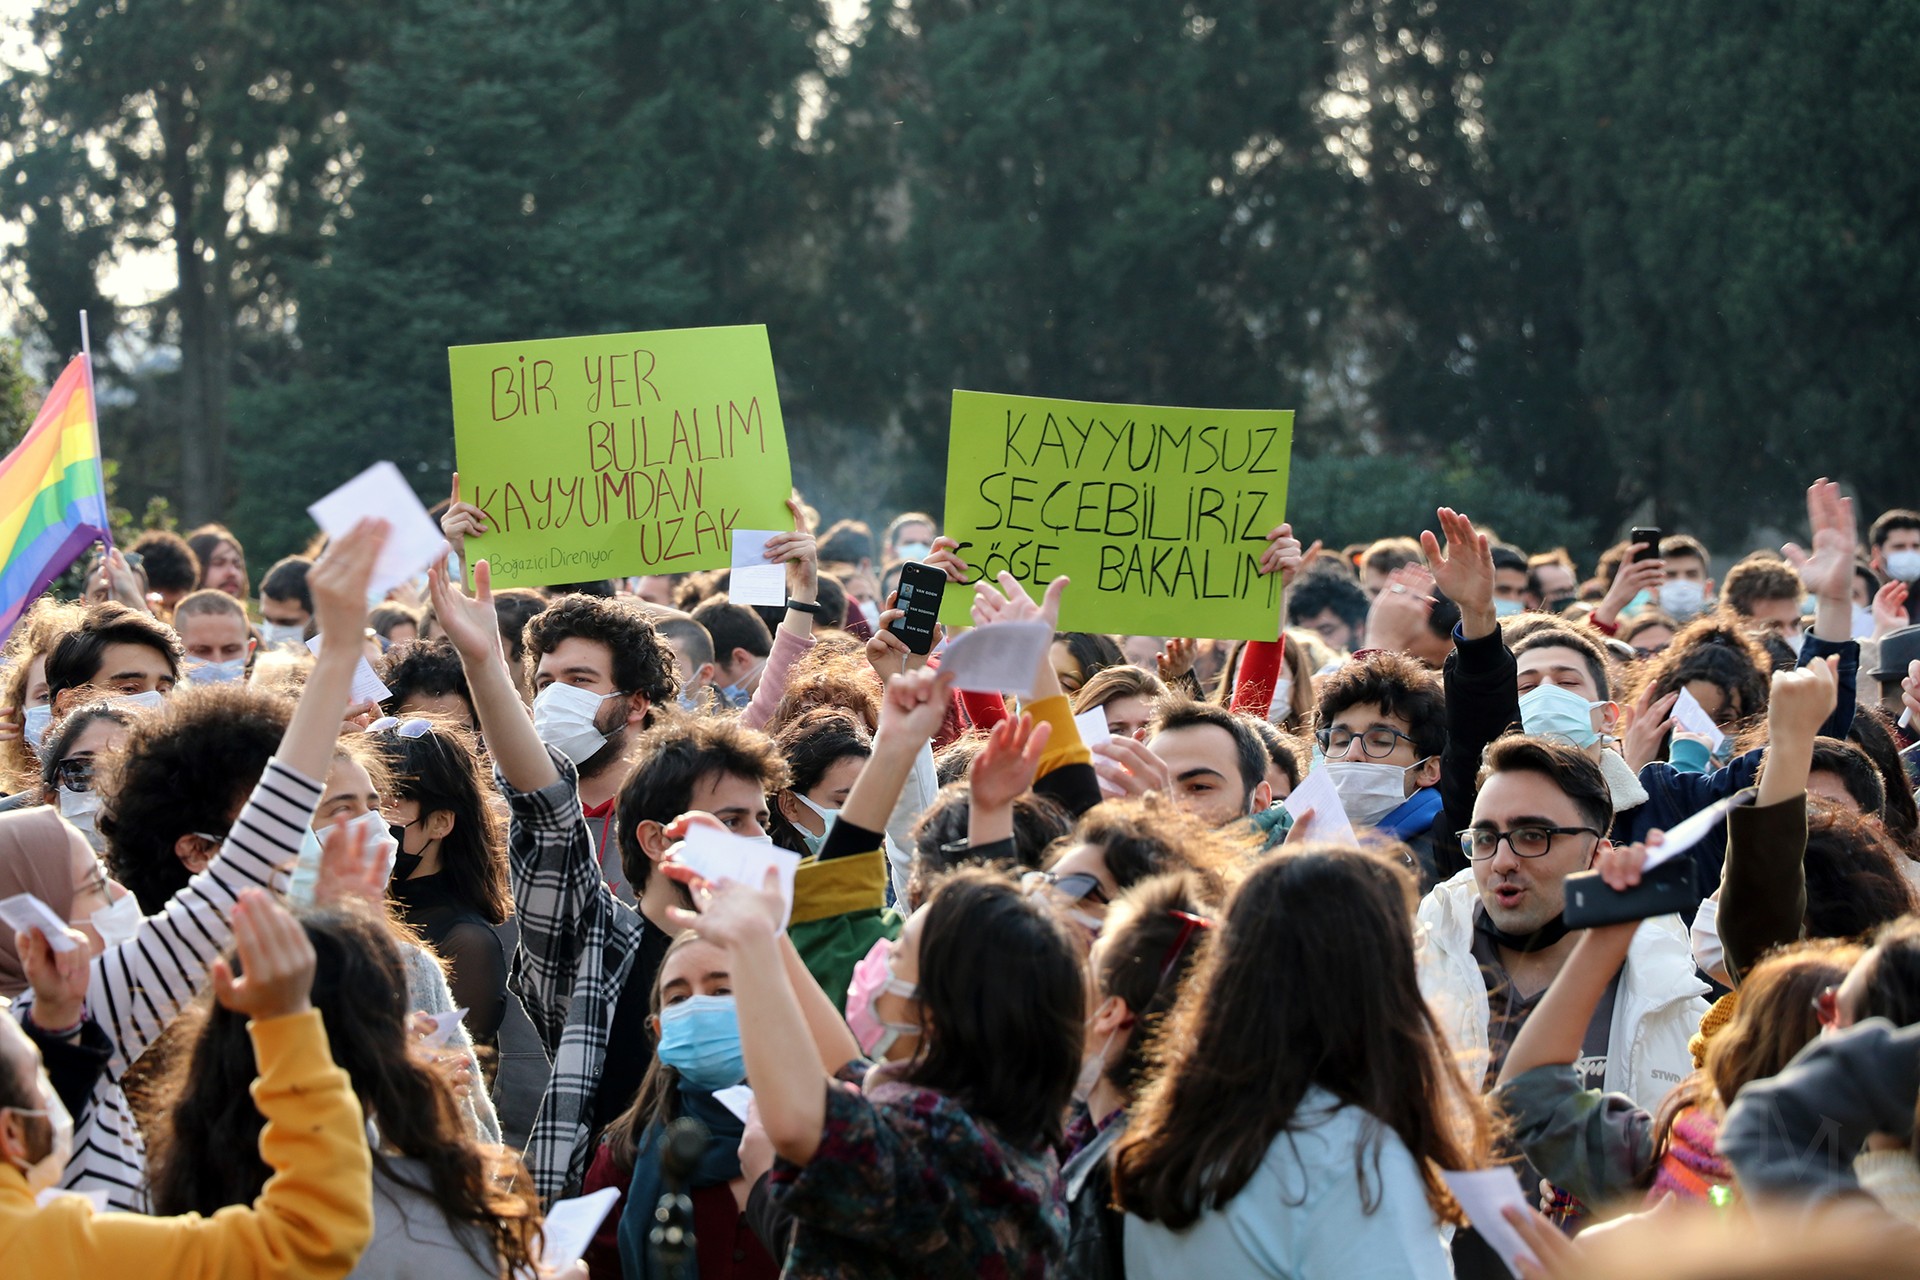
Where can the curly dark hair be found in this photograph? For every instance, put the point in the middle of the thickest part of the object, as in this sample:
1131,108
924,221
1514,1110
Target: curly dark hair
514,608
811,744
208,1153
670,761
168,560
1717,649
1854,881
642,661
429,668
189,768
1399,686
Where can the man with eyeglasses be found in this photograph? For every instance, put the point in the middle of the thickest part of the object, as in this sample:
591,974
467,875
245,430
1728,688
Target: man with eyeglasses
1492,938
1382,728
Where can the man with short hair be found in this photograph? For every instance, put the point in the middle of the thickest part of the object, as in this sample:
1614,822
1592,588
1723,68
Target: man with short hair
1382,727
171,567
1894,540
114,651
1379,561
1765,591
850,542
1552,583
692,658
1330,604
286,606
1509,580
425,678
741,643
1216,767
215,636
1687,591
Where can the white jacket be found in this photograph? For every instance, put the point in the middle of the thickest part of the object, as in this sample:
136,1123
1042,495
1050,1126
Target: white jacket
1656,1010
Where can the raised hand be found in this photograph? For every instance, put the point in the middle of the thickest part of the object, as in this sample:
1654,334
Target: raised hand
1005,767
1889,609
728,914
1463,569
914,708
1011,603
1634,577
1828,571
471,625
116,581
349,869
945,557
801,553
58,978
887,653
1176,660
462,520
339,579
1284,556
1128,768
1647,728
1801,700
276,961
1399,613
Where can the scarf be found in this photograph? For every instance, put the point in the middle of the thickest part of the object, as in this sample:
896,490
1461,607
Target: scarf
1540,939
719,1164
1623,784
1691,1167
1414,816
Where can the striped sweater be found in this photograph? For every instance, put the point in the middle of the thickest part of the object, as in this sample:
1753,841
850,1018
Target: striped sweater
138,987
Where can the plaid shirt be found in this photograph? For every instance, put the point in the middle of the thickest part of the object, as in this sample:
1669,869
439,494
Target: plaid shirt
577,943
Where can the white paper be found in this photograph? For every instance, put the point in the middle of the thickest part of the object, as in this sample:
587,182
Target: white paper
1002,658
721,855
735,1098
414,541
1688,832
1093,727
95,1197
752,580
23,911
1483,1194
570,1226
445,1027
1330,822
1691,716
366,682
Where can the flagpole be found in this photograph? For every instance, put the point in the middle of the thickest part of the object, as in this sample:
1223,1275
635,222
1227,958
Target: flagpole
93,418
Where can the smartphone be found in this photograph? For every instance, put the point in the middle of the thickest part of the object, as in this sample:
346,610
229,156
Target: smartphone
1666,889
921,587
1651,537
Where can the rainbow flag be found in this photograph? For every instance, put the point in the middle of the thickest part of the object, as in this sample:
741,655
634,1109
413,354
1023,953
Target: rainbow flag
53,498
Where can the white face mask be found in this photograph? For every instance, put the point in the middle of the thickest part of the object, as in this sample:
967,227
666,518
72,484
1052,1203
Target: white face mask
277,634
1093,1066
1282,700
36,723
1708,953
827,816
117,922
563,716
915,550
1903,566
206,671
1369,791
78,807
151,700
1862,621
871,612
1682,599
45,1172
371,825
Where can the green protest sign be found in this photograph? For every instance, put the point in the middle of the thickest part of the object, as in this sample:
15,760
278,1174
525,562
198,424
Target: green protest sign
1159,515
618,454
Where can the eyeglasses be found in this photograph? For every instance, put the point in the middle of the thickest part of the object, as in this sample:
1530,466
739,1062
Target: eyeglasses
1377,743
1188,924
75,773
405,728
1074,888
1528,841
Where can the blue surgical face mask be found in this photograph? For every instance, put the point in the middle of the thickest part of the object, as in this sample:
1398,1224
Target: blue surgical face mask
1507,608
700,1038
1553,712
36,723
915,550
205,671
828,816
1903,566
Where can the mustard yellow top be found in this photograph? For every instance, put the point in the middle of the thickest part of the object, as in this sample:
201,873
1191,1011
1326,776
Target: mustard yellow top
312,1219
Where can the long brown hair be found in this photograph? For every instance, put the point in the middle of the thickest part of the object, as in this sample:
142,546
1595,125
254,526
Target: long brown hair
440,770
656,1100
1309,980
1153,937
207,1154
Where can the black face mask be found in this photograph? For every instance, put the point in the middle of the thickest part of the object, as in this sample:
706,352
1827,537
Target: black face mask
404,863
1539,940
1560,604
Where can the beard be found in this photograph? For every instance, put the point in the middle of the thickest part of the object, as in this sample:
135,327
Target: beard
609,755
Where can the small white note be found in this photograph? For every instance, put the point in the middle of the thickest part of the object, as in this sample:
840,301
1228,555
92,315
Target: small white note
1093,727
1330,822
413,542
1002,658
752,580
1483,1194
1688,832
1691,716
721,855
570,1225
445,1027
735,1098
366,682
23,911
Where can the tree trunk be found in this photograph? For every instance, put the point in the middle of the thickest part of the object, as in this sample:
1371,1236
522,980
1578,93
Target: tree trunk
202,303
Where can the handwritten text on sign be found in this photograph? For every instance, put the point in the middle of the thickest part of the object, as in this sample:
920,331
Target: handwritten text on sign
618,454
1158,515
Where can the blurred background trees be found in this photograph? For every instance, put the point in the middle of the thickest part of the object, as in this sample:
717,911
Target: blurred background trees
1563,265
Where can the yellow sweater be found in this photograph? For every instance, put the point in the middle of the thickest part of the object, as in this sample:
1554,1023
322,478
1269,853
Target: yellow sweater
312,1219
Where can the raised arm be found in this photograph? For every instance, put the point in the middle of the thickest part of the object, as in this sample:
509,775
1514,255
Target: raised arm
473,629
801,553
915,705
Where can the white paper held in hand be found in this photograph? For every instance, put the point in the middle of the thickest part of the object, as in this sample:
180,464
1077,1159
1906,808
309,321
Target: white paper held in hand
752,580
1691,716
1688,832
1330,822
1002,658
1093,727
1482,1194
570,1225
735,1098
414,540
722,855
23,911
445,1025
366,682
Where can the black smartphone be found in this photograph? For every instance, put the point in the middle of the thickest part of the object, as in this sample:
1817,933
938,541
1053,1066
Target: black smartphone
1651,537
1666,889
921,587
